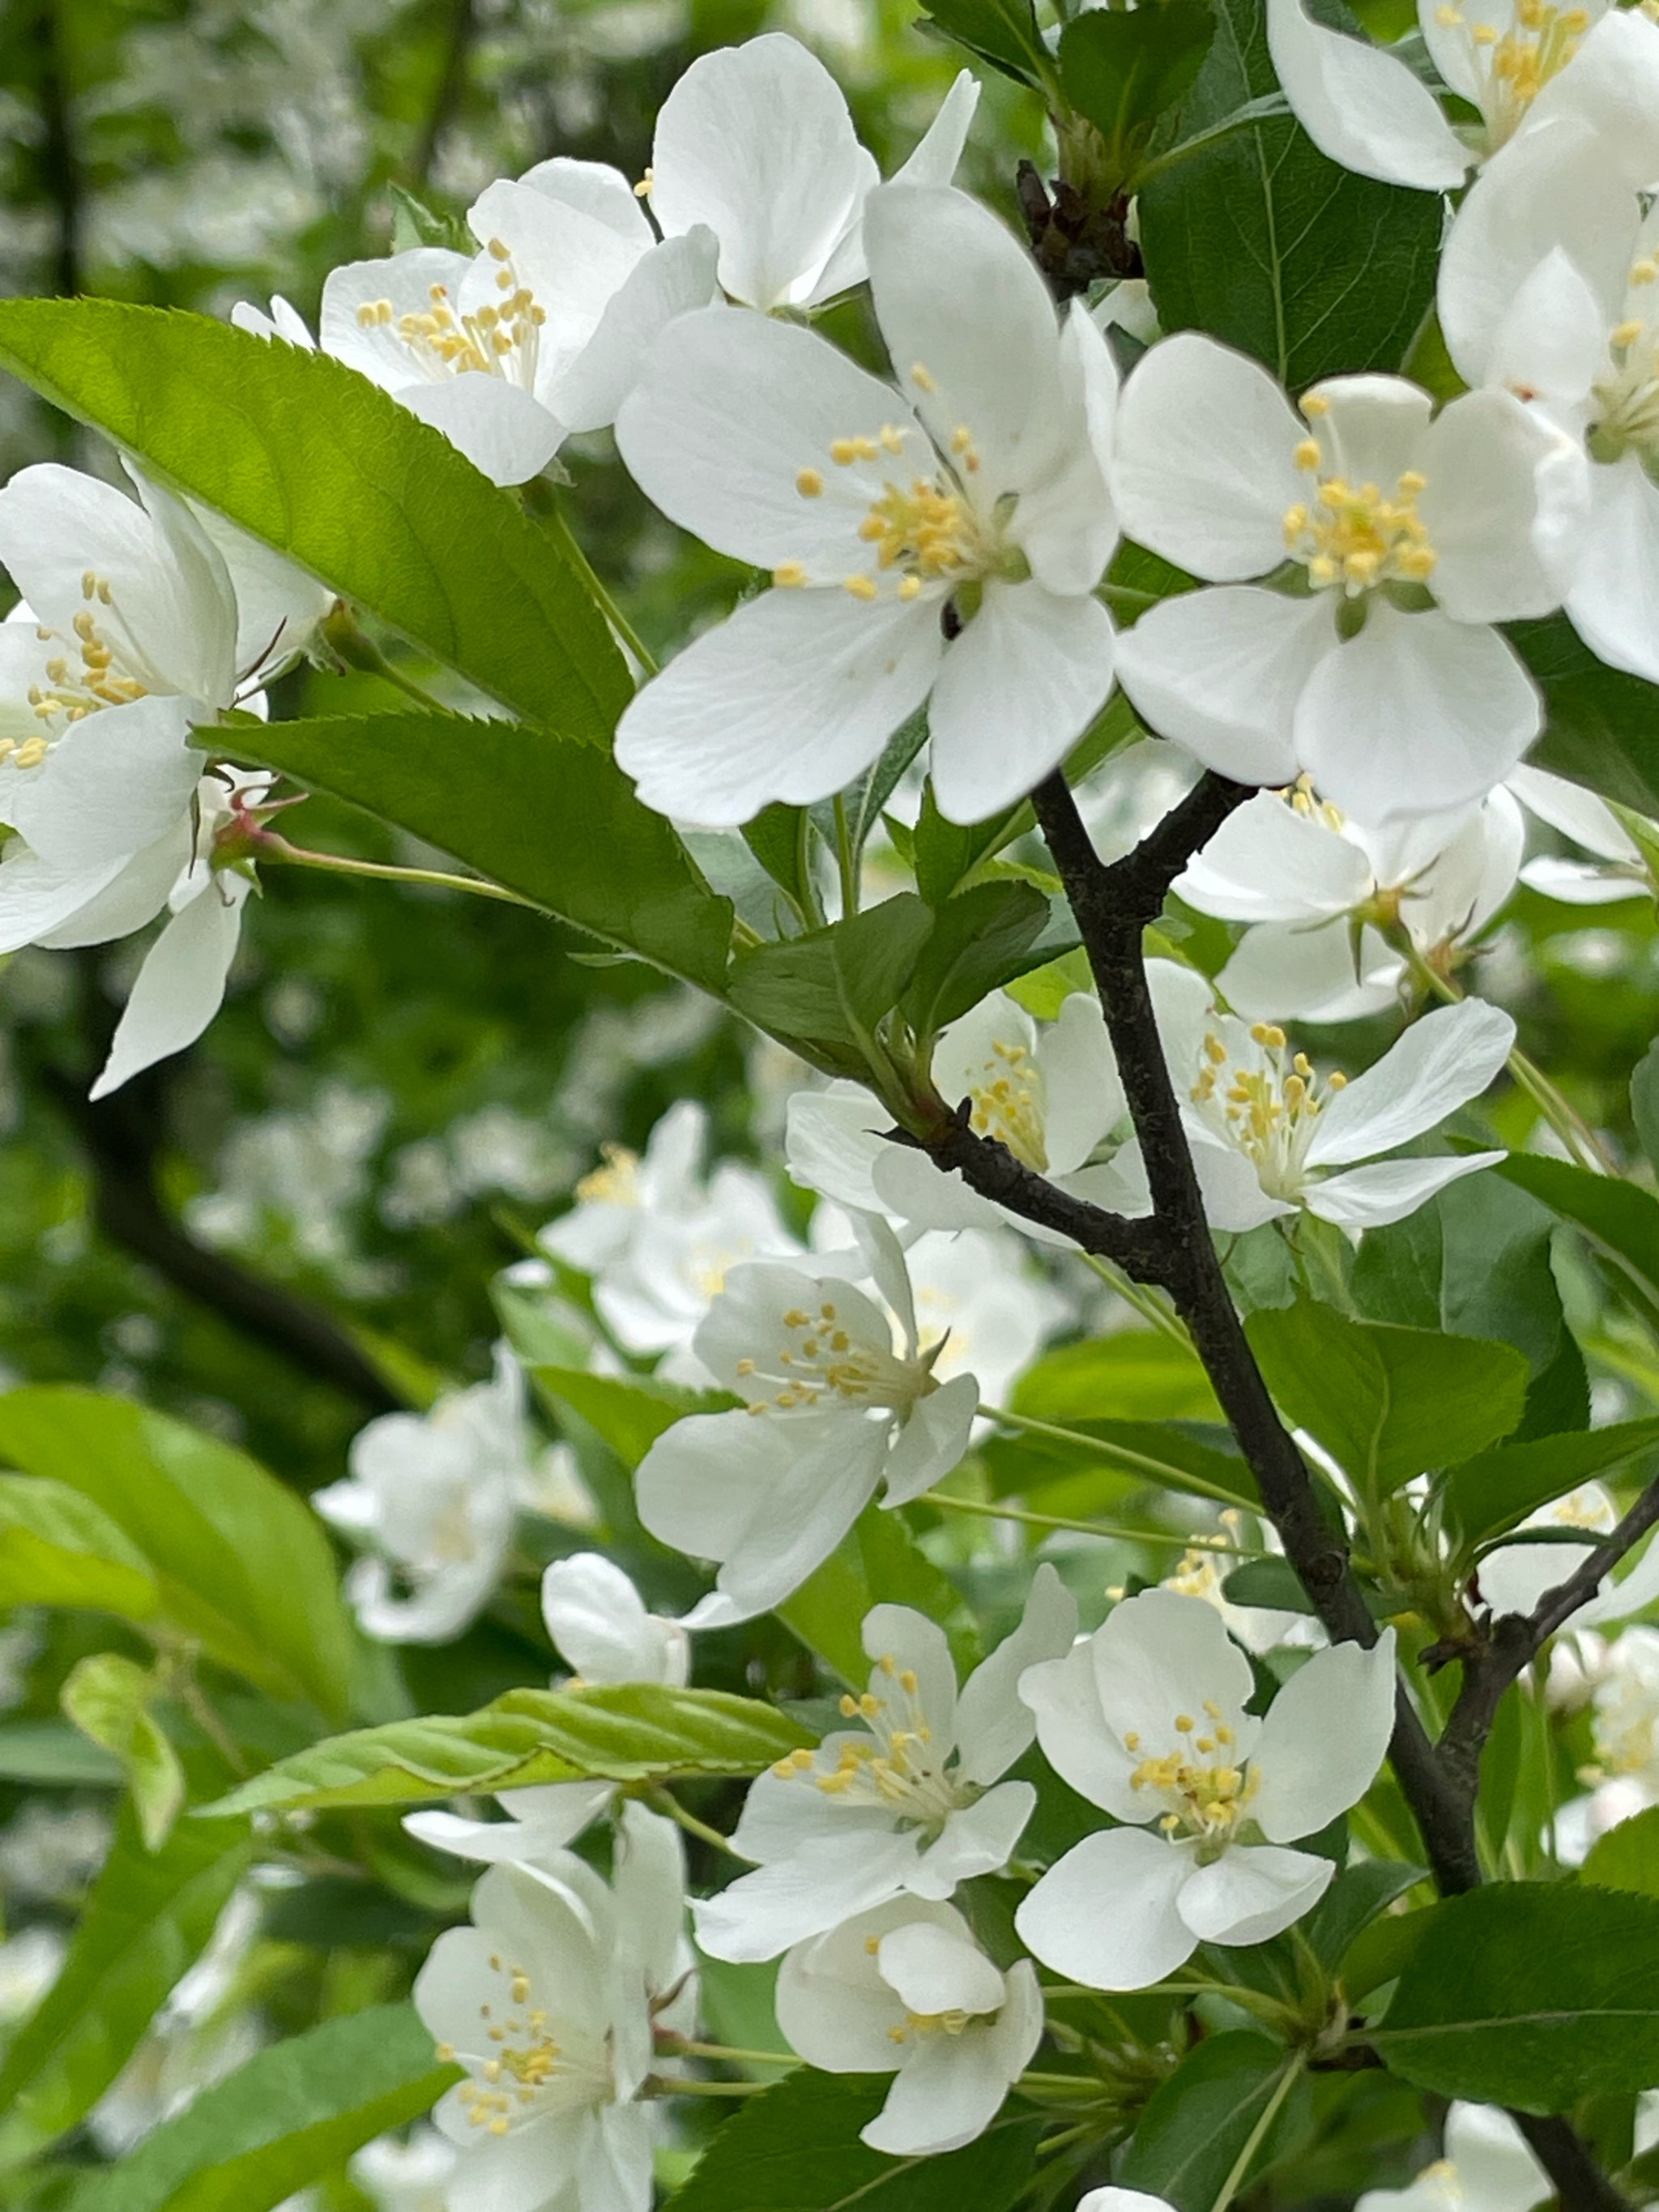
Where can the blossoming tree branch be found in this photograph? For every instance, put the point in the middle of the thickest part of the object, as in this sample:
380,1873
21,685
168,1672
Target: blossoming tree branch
1096,1630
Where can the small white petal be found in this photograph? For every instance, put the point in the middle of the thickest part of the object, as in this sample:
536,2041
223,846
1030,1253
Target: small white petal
1324,1739
979,1840
1441,1062
505,433
1361,105
1270,862
1612,85
672,279
993,1726
1281,973
935,1968
180,985
1222,673
1505,507
1107,1913
1253,1892
1614,602
945,2095
1371,1197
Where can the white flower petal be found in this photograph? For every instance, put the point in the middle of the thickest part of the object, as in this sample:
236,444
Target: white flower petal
909,1185
113,783
1253,1892
1066,527
1281,974
993,1726
932,161
1441,1062
789,699
595,189
598,1624
1158,1654
948,2091
1576,812
673,279
1614,602
1271,862
980,1838
957,293
374,346
1552,341
823,1883
1323,1739
832,1140
898,1640
1369,427
1107,1914
1361,105
512,1842
935,1968
756,142
1416,715
180,985
1017,689
37,900
1505,507
1204,464
1085,1097
1372,1197
1234,1199
932,1441
505,433
1613,86
1063,1696
832,2006
1222,673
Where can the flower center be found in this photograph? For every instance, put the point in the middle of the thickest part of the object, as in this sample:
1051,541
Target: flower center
894,1766
1303,799
921,2024
1627,396
501,339
1206,1791
91,674
525,2061
820,1357
1518,63
1349,536
1268,1109
1008,1101
616,1184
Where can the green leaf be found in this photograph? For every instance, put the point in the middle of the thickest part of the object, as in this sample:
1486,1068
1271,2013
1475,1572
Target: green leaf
57,1547
629,1732
796,2149
1258,239
1352,1902
52,1752
1002,32
558,823
781,839
1122,71
241,1565
1475,1261
1388,1403
1531,1994
1196,2124
981,940
108,1697
290,2116
1620,1218
1627,1857
1497,1490
834,985
877,1562
628,1418
1135,1375
149,1918
1644,1101
1144,1450
313,458
1601,726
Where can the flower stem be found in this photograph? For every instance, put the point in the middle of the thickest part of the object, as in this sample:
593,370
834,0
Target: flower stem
665,1801
674,2085
947,1504
1178,1478
681,2047
846,860
270,847
558,527
1290,2076
1150,1304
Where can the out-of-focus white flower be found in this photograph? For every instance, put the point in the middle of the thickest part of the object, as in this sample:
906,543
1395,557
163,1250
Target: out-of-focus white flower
755,143
51,1851
906,1989
548,2001
1269,1136
1486,2168
598,1623
1625,1777
29,1965
1617,871
411,2175
977,488
1515,1576
1146,1719
435,1495
1384,680
910,1803
841,1401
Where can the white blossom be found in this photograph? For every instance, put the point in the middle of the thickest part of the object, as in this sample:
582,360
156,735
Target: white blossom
412,2175
910,1802
906,1989
839,1401
1624,1777
1513,1577
1382,678
1486,2167
978,488
1146,1719
435,1496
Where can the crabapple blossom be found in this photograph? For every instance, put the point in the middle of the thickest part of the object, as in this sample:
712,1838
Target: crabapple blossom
909,1803
1408,534
598,1621
905,1990
548,2001
435,1496
1147,1718
755,144
1486,2167
1624,1778
1269,1135
407,2177
1051,1094
840,1400
940,541
1524,66
1316,888
1515,1575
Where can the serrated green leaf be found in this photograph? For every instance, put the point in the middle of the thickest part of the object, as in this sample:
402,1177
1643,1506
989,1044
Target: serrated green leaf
302,452
1134,1375
834,985
1530,1994
149,1918
1195,2126
628,1732
57,1547
1627,1857
1261,241
796,2149
1644,1101
1352,1902
291,2115
1497,1490
981,940
1388,1403
240,1564
558,823
1003,32
1122,70
108,1697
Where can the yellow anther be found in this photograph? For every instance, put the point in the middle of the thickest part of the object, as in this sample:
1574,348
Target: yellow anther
907,1682
1337,1082
1185,1723
791,575
808,482
892,438
923,377
861,588
1131,1742
444,2053
498,250
1627,334
1308,454
645,187
1315,403
849,1705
